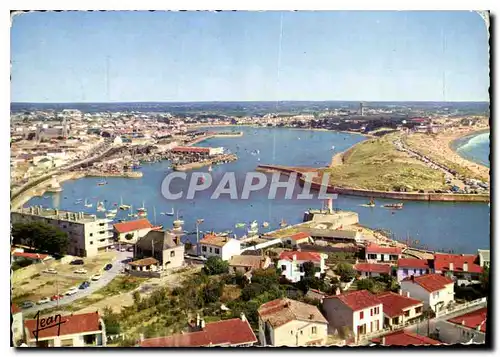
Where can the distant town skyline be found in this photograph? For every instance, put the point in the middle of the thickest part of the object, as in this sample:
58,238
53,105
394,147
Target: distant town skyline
159,56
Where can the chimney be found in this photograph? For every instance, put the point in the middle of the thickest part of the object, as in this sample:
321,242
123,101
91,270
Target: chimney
451,267
466,266
463,322
400,292
141,337
311,316
243,317
383,341
407,294
294,257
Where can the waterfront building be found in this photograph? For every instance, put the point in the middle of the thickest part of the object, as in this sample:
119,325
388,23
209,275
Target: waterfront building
291,264
87,234
462,268
298,238
247,263
360,312
400,308
222,247
465,328
131,231
287,322
77,330
157,251
413,266
375,253
372,270
235,332
435,290
484,257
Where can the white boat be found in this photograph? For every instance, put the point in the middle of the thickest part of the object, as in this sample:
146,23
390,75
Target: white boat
141,214
254,225
132,214
171,213
87,204
142,209
114,210
178,222
100,207
122,206
110,215
265,224
333,147
210,169
252,232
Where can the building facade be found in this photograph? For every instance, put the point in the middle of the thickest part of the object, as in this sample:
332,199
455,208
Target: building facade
412,266
434,290
292,263
222,247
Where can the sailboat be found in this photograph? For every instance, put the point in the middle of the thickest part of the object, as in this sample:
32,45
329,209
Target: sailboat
132,214
110,215
283,223
210,168
333,147
265,224
100,207
254,225
155,227
178,222
240,225
114,210
171,213
87,204
142,209
122,206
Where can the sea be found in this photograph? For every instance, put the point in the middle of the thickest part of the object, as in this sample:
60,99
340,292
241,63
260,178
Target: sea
474,147
444,226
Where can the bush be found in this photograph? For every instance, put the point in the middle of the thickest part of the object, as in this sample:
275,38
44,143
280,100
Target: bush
345,271
215,266
252,291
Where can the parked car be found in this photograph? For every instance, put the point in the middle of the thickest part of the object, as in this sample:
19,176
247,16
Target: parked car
50,271
96,277
27,304
123,249
84,285
56,297
130,249
71,291
77,262
81,271
111,247
43,301
108,267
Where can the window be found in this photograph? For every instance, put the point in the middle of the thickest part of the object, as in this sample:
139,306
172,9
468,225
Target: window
203,249
172,253
283,267
371,312
210,249
91,242
91,234
217,250
67,343
313,330
418,310
89,339
407,313
361,315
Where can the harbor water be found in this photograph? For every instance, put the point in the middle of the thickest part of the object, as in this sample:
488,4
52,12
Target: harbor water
460,227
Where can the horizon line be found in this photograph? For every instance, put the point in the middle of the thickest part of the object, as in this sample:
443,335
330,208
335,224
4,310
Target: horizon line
262,101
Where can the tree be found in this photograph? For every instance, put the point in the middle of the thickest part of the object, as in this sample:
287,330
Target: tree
215,266
129,236
309,269
112,322
485,279
251,291
346,272
311,282
266,277
41,236
212,293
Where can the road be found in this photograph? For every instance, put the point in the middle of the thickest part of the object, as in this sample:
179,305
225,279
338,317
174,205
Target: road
106,277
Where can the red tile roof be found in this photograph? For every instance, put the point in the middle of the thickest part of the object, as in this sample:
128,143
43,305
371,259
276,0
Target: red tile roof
302,256
472,319
33,256
281,311
406,338
225,332
14,309
71,324
394,304
373,268
299,236
431,282
190,149
442,262
375,248
413,263
125,227
358,300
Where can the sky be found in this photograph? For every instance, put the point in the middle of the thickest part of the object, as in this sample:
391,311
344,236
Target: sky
120,56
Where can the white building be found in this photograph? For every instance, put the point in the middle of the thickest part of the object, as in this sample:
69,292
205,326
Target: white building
360,312
291,264
87,233
222,247
375,253
400,308
132,231
436,291
286,322
82,330
372,270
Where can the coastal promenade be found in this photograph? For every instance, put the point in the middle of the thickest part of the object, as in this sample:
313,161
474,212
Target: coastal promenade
410,196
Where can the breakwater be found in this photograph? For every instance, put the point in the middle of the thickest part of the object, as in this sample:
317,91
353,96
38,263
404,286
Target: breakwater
219,159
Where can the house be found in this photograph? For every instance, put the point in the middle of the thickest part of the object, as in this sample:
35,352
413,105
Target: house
335,235
404,338
286,322
291,264
298,238
77,330
375,253
399,308
413,266
462,268
467,327
222,247
158,251
361,312
484,257
371,270
226,333
247,263
435,290
33,257
132,231
17,324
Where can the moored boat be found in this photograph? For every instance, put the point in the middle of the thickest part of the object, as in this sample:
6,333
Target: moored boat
394,205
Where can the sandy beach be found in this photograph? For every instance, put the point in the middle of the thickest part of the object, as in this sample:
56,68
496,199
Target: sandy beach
439,147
